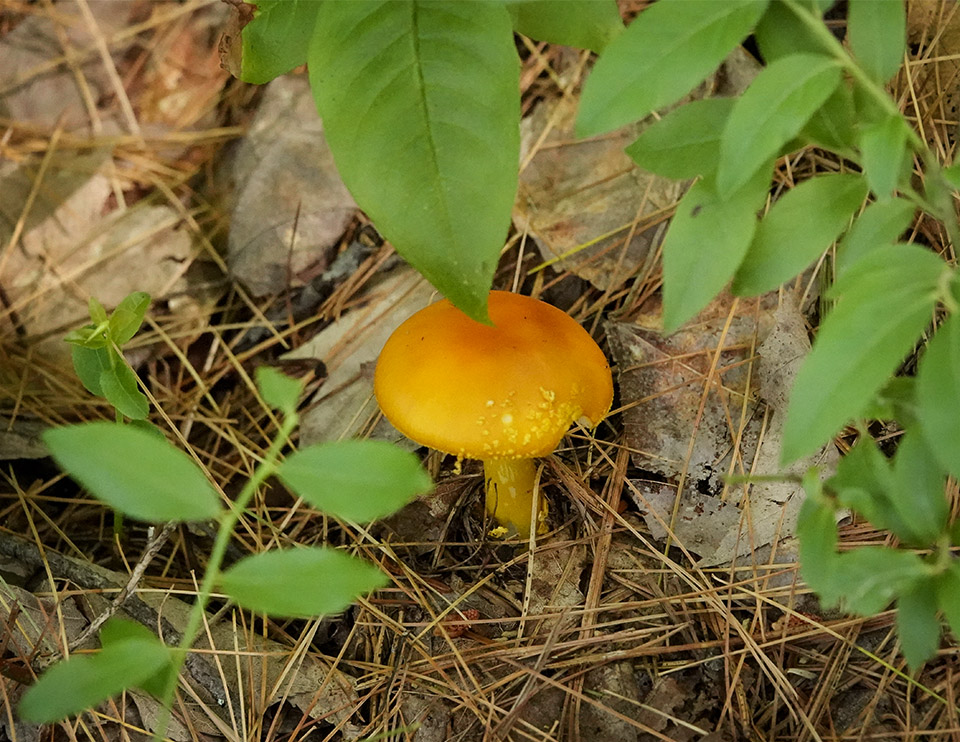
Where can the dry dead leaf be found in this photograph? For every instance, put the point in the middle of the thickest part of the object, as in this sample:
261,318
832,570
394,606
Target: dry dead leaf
291,205
344,406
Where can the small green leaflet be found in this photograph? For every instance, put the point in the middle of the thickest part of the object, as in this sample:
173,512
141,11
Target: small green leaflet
883,146
886,300
817,532
119,386
277,39
686,142
881,223
670,47
126,319
84,681
918,488
420,107
90,364
832,125
587,24
948,595
876,30
133,471
278,390
870,577
788,239
707,239
938,395
771,112
355,480
296,583
97,313
917,624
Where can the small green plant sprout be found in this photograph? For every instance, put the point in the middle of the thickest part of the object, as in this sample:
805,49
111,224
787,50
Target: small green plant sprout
144,476
98,360
885,295
421,110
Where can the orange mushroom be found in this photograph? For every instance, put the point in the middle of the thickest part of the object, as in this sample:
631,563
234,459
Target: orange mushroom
504,394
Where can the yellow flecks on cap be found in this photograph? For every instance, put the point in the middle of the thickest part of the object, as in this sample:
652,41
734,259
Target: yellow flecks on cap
458,465
506,418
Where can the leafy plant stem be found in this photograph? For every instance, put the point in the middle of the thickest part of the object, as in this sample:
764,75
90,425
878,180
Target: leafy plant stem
212,572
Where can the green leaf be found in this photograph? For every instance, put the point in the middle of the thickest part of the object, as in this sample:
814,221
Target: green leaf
707,239
876,30
832,125
870,577
948,595
771,112
84,681
97,313
670,47
917,624
863,482
952,175
297,583
118,630
420,107
355,480
133,471
938,395
686,142
90,364
587,24
277,39
89,336
788,239
781,33
278,390
918,488
817,533
880,224
126,319
883,146
119,386
886,300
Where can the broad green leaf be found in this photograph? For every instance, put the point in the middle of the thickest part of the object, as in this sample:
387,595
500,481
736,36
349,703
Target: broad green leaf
895,401
420,107
918,488
84,681
788,239
771,112
117,630
355,480
707,239
126,319
587,24
817,532
133,471
277,39
876,30
296,583
938,395
278,390
686,142
948,596
663,54
870,577
832,125
883,146
917,624
119,386
90,364
880,224
781,33
886,300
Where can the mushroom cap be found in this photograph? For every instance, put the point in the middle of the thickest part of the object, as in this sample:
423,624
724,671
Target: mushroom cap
510,390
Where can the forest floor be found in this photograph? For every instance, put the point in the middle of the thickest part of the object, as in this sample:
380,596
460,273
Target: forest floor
131,161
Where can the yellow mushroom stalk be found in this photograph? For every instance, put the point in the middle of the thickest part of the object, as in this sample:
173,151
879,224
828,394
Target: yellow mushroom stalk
504,394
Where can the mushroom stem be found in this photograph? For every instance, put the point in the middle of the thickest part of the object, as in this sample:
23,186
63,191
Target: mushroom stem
510,494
